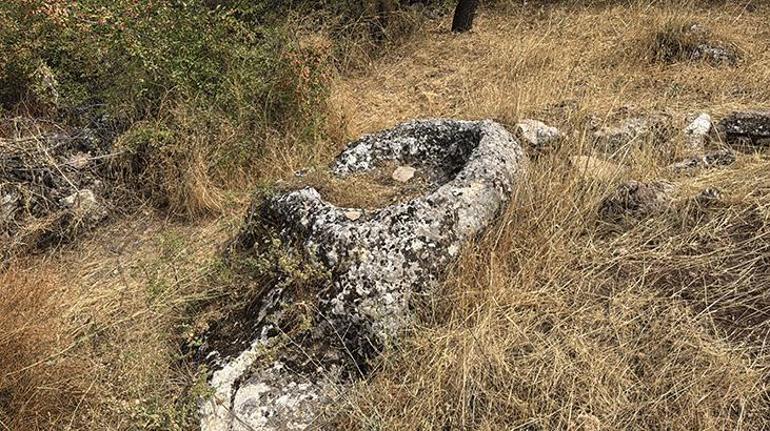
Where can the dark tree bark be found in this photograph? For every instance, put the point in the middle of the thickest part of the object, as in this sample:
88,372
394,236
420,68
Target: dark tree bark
464,14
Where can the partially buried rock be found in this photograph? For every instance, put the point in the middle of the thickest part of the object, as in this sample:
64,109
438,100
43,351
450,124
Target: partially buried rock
7,205
537,135
84,208
746,130
597,169
632,132
636,200
696,133
692,42
79,160
714,159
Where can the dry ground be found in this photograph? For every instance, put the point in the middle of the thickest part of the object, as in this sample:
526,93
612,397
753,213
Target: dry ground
553,320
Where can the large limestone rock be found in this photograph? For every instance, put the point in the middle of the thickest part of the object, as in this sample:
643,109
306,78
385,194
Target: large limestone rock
379,261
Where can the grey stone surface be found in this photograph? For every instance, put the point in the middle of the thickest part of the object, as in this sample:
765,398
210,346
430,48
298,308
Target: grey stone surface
715,54
380,263
636,200
632,132
713,159
40,172
537,135
746,130
694,42
696,133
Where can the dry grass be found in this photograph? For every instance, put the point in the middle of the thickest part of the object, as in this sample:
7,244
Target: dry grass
98,328
553,320
556,321
371,189
531,59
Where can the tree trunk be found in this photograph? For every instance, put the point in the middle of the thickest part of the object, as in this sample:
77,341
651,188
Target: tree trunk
464,14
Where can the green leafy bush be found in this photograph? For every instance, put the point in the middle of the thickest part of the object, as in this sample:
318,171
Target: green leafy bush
135,55
216,85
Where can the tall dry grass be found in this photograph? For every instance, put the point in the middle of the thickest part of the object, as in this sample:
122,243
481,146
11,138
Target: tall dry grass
553,320
92,335
526,60
37,385
556,320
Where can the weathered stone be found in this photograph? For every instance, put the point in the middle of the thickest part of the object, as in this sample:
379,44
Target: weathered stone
636,200
81,199
8,204
597,169
693,42
84,209
746,130
696,133
714,159
715,54
378,266
632,132
403,174
537,135
708,197
43,173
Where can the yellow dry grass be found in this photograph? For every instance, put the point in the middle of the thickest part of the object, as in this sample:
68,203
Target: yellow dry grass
98,327
552,320
528,59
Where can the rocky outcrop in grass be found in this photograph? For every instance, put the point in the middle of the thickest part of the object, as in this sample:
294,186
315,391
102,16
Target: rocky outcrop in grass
379,263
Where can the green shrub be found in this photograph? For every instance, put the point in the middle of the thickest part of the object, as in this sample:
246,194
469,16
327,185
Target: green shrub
135,55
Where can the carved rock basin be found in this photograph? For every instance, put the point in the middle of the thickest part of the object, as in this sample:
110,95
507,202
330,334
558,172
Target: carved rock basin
378,264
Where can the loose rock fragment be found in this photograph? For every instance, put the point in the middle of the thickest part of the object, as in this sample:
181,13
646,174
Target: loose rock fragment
403,174
378,265
7,205
708,197
79,160
714,159
746,130
81,199
353,215
636,200
536,134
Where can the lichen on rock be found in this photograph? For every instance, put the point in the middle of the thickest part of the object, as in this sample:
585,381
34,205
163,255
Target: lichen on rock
618,139
634,200
379,263
746,130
